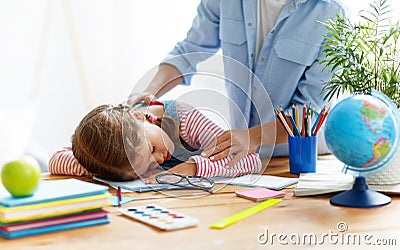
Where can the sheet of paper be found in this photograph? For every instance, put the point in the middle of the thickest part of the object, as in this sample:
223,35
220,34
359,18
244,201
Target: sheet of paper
256,180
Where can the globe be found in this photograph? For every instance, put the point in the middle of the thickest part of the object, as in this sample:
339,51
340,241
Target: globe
362,131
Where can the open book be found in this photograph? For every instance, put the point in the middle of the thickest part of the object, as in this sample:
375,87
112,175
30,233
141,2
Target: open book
329,179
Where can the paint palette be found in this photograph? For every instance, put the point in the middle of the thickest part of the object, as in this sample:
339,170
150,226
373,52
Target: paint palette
160,217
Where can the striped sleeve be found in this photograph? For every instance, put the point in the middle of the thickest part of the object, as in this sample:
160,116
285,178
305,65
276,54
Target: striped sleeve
63,162
198,130
247,165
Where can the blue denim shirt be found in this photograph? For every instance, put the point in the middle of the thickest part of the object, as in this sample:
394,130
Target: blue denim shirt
287,68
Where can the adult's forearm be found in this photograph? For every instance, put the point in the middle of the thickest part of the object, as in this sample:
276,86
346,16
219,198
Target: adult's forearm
166,78
268,134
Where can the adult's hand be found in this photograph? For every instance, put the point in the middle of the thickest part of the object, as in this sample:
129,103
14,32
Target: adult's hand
238,143
166,78
137,97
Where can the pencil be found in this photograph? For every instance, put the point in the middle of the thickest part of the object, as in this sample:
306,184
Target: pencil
317,120
296,115
309,123
283,114
294,111
321,121
283,122
306,125
119,196
295,129
303,121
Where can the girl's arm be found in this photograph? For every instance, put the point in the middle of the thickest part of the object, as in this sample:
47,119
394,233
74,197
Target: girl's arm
251,163
199,131
64,162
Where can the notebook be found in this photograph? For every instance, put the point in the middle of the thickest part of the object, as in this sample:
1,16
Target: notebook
55,208
53,191
53,221
55,228
255,180
259,194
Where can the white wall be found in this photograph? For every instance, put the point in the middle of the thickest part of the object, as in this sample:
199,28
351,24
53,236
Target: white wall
60,58
65,57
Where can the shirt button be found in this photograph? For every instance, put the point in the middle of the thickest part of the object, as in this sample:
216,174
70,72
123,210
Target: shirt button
249,24
251,55
262,59
290,7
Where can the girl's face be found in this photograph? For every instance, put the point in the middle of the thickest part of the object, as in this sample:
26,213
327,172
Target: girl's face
159,143
160,146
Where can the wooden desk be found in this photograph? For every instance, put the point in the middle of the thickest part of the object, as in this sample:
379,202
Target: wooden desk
293,217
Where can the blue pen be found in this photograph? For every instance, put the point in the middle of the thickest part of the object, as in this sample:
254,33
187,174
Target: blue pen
296,131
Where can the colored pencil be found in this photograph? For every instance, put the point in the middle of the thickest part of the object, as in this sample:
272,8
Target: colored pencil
321,121
294,111
295,129
283,122
119,196
303,123
309,123
317,120
306,125
296,115
284,115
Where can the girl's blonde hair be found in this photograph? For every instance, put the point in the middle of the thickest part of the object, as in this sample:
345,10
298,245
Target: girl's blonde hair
108,142
98,143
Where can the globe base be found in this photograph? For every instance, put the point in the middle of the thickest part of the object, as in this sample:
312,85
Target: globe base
360,196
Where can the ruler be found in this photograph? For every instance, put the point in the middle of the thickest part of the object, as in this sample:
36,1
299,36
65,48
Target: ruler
244,214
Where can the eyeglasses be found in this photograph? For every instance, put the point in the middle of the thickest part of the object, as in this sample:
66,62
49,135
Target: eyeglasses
195,182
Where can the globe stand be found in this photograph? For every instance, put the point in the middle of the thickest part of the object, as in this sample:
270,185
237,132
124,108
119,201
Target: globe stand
360,196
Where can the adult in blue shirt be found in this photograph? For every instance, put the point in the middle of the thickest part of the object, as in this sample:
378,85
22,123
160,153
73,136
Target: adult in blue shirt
271,49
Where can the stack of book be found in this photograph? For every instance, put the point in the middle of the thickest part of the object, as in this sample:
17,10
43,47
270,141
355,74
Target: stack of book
56,205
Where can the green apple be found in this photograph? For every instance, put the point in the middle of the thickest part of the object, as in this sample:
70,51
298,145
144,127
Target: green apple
21,177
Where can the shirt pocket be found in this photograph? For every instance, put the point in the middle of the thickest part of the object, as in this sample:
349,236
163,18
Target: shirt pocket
232,31
297,50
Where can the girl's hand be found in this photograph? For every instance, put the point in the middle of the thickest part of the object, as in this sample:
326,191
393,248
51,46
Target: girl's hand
150,176
184,168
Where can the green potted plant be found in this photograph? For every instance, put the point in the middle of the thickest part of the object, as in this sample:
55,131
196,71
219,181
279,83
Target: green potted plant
363,55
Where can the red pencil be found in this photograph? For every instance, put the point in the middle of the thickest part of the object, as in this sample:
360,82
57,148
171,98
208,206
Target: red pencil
321,121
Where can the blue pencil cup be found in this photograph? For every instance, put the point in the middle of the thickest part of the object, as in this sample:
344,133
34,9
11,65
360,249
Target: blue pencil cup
302,154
